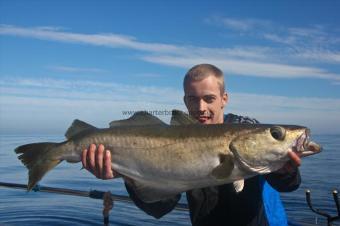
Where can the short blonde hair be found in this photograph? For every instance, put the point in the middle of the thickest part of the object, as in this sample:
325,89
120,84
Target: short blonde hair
202,71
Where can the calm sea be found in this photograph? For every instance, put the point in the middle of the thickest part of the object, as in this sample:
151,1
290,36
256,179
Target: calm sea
320,174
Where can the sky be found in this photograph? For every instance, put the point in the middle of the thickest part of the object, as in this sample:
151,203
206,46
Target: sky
99,60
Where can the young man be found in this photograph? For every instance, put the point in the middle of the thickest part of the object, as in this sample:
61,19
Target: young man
257,204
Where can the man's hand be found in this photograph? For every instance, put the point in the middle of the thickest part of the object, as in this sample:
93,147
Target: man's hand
98,162
294,158
291,165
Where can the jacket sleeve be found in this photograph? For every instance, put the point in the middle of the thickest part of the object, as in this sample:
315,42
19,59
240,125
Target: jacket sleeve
155,209
284,181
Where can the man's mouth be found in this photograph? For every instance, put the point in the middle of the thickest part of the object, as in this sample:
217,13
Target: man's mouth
203,119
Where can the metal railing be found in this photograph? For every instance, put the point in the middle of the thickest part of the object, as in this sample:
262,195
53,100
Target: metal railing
330,218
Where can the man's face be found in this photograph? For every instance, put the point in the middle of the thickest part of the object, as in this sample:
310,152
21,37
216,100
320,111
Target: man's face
204,101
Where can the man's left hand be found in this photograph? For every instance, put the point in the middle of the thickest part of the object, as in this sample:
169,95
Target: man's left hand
292,164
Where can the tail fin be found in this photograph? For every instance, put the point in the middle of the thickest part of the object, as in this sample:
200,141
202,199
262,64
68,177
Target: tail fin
35,158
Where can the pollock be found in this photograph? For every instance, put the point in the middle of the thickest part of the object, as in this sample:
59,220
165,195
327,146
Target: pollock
161,160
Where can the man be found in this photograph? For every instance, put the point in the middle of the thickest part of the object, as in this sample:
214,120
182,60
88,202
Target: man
257,204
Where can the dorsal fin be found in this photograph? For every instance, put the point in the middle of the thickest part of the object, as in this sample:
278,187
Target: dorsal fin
181,118
76,127
140,118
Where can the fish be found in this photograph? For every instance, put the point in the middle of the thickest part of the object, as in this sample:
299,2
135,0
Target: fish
160,160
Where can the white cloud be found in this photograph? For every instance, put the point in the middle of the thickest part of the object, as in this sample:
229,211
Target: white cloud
298,49
36,105
255,53
237,24
312,34
304,111
76,69
248,68
20,114
317,55
109,40
316,42
290,40
50,105
243,25
87,90
148,75
284,103
242,60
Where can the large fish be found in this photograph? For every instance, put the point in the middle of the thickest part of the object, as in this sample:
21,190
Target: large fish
161,160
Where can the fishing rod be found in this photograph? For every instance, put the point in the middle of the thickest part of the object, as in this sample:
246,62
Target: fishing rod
107,197
94,194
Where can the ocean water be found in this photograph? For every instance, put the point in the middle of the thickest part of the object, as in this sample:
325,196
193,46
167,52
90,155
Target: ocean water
320,173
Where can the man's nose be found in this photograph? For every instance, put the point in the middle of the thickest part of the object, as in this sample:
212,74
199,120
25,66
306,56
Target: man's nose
202,105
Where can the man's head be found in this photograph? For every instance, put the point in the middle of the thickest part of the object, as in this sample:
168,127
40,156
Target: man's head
204,93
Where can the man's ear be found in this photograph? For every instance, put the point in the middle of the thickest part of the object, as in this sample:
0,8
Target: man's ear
185,101
224,99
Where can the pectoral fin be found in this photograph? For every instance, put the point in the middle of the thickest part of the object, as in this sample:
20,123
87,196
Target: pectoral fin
225,168
238,185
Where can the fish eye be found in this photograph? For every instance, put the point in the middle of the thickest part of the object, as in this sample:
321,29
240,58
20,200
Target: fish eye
278,132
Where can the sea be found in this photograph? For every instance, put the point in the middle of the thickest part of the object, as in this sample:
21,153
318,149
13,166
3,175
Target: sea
320,174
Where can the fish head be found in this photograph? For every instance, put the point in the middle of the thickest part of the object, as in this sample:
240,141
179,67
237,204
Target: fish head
264,149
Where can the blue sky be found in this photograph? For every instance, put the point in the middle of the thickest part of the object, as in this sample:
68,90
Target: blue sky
92,60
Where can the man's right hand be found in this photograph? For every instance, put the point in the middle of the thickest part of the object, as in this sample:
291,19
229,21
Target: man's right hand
98,162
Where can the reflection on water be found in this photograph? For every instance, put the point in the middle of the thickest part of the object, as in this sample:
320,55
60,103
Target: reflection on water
320,174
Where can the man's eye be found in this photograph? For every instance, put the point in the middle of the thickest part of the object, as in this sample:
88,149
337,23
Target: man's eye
192,99
209,99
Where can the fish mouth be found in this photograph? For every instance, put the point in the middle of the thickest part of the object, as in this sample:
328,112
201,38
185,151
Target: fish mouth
304,146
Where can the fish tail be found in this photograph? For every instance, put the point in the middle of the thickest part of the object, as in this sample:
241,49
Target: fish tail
38,160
